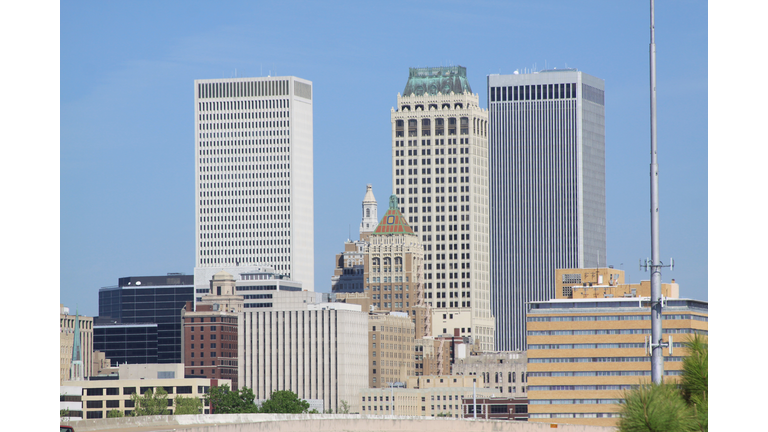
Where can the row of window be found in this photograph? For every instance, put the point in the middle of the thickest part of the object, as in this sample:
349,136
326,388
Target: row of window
594,346
601,373
575,415
600,359
111,391
644,317
533,92
575,401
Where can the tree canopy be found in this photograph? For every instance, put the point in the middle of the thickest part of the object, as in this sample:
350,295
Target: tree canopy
667,406
152,403
187,405
222,400
284,402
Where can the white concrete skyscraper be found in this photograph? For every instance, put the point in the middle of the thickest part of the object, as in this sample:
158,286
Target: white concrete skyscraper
253,178
547,172
440,176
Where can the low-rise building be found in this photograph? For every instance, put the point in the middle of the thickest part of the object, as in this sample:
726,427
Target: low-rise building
503,370
584,353
99,396
432,396
496,408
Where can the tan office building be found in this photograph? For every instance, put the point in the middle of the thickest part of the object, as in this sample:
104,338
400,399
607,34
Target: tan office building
424,396
104,395
604,282
390,348
584,353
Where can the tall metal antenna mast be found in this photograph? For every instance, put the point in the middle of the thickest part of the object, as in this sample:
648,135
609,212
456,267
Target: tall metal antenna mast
656,342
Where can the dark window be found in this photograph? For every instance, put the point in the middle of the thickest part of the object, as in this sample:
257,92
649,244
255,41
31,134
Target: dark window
94,414
184,390
521,409
144,389
538,92
168,390
498,409
113,404
94,391
573,90
94,404
562,91
129,403
568,91
549,93
111,391
170,402
527,92
493,95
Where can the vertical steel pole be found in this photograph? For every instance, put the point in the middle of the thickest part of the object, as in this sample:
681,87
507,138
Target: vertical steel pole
657,356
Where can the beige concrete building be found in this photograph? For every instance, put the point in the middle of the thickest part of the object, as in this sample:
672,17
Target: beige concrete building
390,348
584,353
318,352
103,395
502,371
423,396
604,283
440,176
67,342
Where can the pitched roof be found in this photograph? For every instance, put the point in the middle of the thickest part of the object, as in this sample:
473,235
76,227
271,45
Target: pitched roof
393,221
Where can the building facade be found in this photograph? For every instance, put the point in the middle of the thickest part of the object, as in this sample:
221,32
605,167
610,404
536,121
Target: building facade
318,352
350,264
101,396
68,326
253,177
547,177
440,176
502,371
149,305
584,353
496,408
390,348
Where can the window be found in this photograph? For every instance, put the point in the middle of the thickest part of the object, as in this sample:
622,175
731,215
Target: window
129,390
94,404
94,392
113,404
112,391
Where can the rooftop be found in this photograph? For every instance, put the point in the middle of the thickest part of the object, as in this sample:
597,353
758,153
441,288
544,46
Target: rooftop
431,80
393,221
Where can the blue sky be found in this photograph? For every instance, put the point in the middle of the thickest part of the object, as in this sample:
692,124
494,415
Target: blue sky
127,123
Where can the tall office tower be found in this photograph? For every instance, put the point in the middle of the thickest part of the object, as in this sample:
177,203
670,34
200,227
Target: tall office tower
547,172
440,176
253,177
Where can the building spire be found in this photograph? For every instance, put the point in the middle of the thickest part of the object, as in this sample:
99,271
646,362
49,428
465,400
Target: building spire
76,367
370,218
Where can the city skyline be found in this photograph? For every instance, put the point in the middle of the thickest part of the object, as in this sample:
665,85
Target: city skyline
137,219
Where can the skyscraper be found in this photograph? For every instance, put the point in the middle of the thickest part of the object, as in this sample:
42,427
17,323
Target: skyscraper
547,176
440,176
253,177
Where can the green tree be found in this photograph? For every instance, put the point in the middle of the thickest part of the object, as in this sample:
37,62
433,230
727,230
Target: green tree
694,382
668,407
284,402
222,400
64,413
114,413
344,408
655,408
187,405
151,403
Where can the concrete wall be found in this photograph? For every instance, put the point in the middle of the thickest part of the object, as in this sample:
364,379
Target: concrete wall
314,423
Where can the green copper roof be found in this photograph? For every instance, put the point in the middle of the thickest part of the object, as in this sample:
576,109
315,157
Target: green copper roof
393,221
432,80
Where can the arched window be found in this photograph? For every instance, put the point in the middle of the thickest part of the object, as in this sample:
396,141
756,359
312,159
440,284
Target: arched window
509,377
513,377
367,213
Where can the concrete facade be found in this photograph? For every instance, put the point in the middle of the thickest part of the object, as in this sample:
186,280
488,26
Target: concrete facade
319,352
390,348
314,423
253,177
101,396
584,353
502,371
440,176
66,343
547,176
